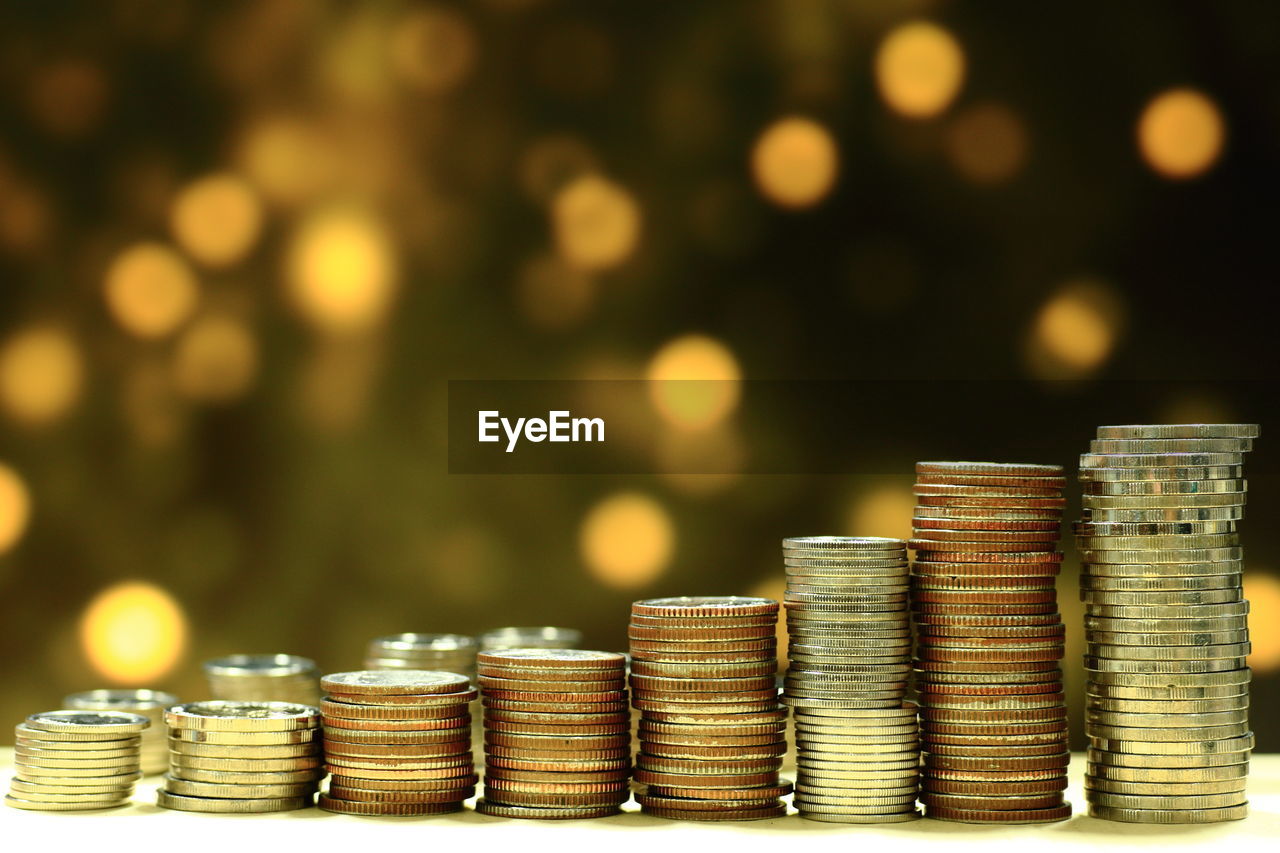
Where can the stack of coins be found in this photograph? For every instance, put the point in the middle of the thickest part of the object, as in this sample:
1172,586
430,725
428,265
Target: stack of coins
712,732
858,751
1166,623
557,735
242,757
71,760
546,637
989,641
398,742
148,703
264,678
431,652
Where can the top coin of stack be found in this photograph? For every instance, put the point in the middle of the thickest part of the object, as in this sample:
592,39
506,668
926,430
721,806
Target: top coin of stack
1166,624
712,732
73,760
557,736
850,654
430,652
543,637
241,757
148,703
264,678
989,641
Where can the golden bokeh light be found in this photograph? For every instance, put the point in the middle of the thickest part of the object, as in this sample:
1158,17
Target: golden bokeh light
883,509
216,219
596,223
150,290
919,68
553,295
133,633
719,449
1262,589
695,381
216,360
1181,133
341,271
986,143
15,508
795,162
551,162
1075,331
68,97
41,375
1196,407
287,159
433,49
627,540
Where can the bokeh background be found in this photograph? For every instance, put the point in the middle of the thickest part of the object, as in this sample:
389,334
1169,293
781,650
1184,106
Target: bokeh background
243,245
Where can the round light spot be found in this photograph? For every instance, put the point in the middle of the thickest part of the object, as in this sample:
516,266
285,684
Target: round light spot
150,290
883,509
341,271
216,219
553,295
216,360
695,381
987,144
41,374
549,163
1075,331
133,633
596,223
15,508
627,540
794,162
1263,592
287,159
919,68
433,49
1181,133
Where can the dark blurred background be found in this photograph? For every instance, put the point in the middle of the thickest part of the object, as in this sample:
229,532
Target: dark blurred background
243,245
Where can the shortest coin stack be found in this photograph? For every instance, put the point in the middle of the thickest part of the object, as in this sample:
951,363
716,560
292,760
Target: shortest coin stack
398,742
73,760
557,733
148,703
435,652
264,678
542,637
242,757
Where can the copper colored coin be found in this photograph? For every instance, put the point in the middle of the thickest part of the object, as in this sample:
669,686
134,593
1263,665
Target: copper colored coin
568,786
1039,522
451,795
1009,480
1003,716
1011,656
997,572
721,741
959,616
941,533
929,774
657,801
1016,788
462,777
551,658
604,697
984,595
993,502
565,765
985,490
747,669
527,674
1057,630
648,684
457,701
983,609
980,666
375,725
1001,803
1018,750
496,809
719,781
350,711
779,810
1038,700
726,605
490,682
556,756
745,753
401,762
643,621
356,737
1009,816
612,730
553,707
404,750
553,801
709,717
558,742
554,720
945,730
987,689
395,775
698,767
641,648
769,792
584,777
330,804
961,763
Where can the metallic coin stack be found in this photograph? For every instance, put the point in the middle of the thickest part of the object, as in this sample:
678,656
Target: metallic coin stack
989,641
71,760
858,751
543,637
432,652
1166,623
398,742
557,735
148,703
241,757
712,732
264,678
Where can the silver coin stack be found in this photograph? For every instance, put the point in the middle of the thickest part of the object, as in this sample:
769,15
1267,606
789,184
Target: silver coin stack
264,678
857,742
148,703
242,757
542,637
76,760
430,652
1166,623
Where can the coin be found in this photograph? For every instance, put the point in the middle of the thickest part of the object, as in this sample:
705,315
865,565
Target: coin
437,652
233,716
179,802
540,637
263,678
76,759
395,682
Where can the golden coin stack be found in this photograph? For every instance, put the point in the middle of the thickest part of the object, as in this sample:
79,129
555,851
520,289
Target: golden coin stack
712,732
264,678
1166,623
542,637
557,735
989,641
242,757
72,760
858,751
398,742
432,652
147,703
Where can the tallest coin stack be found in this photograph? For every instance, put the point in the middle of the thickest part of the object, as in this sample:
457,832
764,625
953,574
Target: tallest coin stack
1166,622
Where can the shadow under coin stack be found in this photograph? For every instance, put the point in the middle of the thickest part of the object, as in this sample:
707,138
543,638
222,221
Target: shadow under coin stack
241,757
148,703
989,641
76,760
712,732
557,735
857,742
542,637
397,742
433,652
1166,623
264,678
